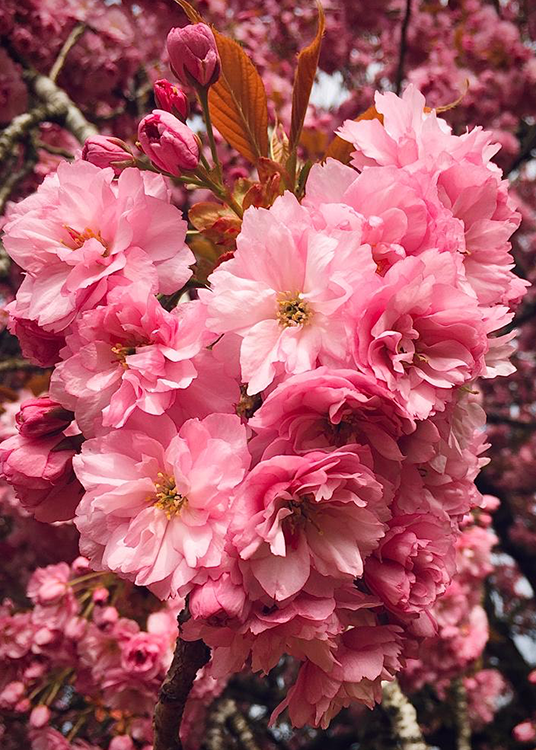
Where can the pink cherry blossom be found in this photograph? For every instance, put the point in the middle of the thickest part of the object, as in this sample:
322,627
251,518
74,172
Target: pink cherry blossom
420,332
284,290
297,513
82,234
131,354
156,502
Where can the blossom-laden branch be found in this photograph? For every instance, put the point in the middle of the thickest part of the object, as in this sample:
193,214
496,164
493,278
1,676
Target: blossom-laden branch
188,659
69,43
403,717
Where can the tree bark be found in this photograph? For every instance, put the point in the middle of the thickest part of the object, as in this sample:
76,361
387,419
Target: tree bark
403,718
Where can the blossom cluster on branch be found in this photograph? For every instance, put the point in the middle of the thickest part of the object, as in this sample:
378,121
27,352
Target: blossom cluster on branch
275,416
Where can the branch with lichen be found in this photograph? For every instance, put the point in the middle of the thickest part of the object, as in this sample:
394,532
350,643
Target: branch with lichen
403,718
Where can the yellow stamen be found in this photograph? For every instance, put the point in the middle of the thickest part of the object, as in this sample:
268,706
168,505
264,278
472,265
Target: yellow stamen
292,310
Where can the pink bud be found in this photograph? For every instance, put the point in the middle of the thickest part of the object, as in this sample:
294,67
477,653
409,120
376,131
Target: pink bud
39,717
193,55
169,143
100,595
105,617
11,694
80,566
524,732
121,742
106,151
170,97
39,417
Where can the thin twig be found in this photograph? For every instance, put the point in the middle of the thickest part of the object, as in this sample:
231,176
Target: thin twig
16,363
19,127
403,48
188,659
225,717
403,718
68,44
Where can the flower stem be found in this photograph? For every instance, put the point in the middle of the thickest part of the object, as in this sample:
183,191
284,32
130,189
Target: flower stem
202,93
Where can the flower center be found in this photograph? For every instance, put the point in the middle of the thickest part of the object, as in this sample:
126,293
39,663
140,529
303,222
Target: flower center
168,497
303,512
292,310
122,352
77,239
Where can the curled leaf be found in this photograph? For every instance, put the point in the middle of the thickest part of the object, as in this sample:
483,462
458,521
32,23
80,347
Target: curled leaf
237,102
304,79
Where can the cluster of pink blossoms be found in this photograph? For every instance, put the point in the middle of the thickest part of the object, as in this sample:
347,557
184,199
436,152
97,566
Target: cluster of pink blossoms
315,511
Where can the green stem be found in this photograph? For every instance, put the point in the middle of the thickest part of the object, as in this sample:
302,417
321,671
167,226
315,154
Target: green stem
202,93
220,190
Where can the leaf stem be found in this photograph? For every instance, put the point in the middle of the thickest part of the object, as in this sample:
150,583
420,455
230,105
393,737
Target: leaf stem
202,93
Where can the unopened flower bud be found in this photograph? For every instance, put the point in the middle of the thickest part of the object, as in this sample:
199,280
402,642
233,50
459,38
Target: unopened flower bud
169,143
106,151
40,716
40,417
171,98
193,55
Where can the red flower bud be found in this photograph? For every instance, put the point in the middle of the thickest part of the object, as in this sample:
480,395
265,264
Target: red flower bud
169,143
193,55
105,151
171,98
40,417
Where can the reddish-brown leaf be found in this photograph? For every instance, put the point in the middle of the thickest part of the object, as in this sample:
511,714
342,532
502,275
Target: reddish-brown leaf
304,79
237,101
342,150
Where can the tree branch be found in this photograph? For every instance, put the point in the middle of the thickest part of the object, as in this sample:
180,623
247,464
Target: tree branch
68,44
13,176
403,48
188,659
403,717
226,715
15,363
461,715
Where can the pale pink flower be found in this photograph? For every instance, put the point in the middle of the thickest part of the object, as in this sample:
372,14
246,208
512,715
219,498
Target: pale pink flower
420,332
131,354
414,562
410,137
156,504
321,511
284,290
83,234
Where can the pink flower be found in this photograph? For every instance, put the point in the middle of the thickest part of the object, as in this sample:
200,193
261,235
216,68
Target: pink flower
142,656
49,585
413,563
169,143
38,345
411,137
524,732
130,355
156,504
367,654
41,473
193,55
284,290
297,513
329,408
82,234
421,333
106,151
39,417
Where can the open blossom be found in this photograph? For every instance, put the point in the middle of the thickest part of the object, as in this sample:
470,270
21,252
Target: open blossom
367,654
156,503
329,408
413,564
420,333
283,292
294,514
82,234
131,354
